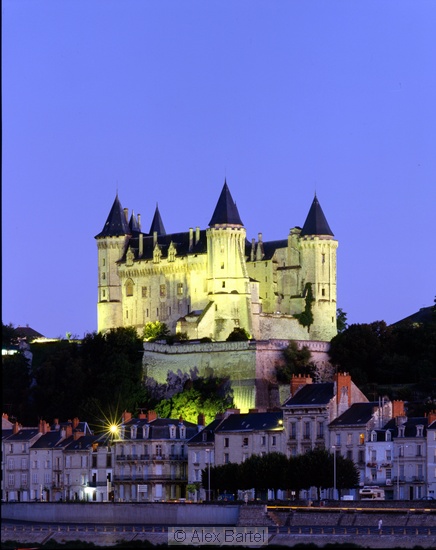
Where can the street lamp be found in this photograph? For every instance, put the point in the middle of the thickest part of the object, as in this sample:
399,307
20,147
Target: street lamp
400,448
334,472
208,473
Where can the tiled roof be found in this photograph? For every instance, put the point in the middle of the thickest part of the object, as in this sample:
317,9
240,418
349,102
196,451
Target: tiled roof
208,431
312,395
116,223
83,443
316,223
24,434
157,224
410,426
47,440
251,422
226,211
160,428
357,414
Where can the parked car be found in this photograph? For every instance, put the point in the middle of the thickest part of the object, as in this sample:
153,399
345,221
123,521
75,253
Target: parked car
427,498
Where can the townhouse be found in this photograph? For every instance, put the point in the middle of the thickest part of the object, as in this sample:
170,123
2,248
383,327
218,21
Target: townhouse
151,458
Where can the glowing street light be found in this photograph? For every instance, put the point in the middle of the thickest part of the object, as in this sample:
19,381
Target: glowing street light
334,472
208,473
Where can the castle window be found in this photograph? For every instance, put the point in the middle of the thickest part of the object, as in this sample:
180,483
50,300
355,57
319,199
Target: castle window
323,292
146,312
144,292
179,289
169,311
224,284
129,288
163,290
266,279
323,258
104,293
127,313
104,262
103,276
222,265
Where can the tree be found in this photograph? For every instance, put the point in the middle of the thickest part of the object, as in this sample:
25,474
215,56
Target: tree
208,396
341,320
155,331
305,318
238,334
297,361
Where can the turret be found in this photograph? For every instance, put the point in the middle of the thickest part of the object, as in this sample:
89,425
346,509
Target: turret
318,278
110,243
227,277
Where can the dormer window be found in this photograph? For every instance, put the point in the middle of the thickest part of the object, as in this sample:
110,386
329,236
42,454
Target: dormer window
419,431
133,432
401,430
388,436
373,436
145,431
182,432
172,431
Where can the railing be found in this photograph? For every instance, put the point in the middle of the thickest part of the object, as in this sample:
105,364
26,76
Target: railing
419,479
145,457
97,484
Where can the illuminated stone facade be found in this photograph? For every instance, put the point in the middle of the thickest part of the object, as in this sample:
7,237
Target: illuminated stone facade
206,282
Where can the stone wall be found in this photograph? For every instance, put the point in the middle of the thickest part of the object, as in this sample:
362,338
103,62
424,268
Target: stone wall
250,365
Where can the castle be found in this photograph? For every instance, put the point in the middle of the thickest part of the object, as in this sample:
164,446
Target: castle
206,282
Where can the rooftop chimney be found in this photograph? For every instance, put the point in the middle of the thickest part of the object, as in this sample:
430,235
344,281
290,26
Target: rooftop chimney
398,408
298,381
126,416
151,415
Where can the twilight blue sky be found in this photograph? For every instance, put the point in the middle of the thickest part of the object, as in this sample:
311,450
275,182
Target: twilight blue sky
163,99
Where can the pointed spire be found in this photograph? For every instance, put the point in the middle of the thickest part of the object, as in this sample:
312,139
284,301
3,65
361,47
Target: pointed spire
226,211
316,223
133,224
157,223
116,223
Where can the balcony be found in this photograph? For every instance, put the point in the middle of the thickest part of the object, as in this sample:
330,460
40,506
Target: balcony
145,457
418,479
371,464
386,464
159,457
95,484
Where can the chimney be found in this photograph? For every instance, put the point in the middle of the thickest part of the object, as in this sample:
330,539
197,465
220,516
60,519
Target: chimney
398,408
231,411
126,214
197,234
431,417
16,428
126,416
201,420
298,381
151,415
141,245
142,415
191,238
343,391
69,431
75,422
5,416
139,221
154,238
181,419
253,247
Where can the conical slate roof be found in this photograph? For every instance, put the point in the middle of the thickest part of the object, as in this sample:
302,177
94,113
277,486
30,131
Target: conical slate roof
316,223
133,224
226,211
116,223
157,224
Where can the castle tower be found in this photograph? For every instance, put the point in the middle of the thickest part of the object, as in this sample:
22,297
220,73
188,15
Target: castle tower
318,261
110,244
227,278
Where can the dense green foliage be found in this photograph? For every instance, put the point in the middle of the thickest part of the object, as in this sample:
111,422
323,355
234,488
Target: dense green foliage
296,361
388,356
305,318
238,334
275,471
208,396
